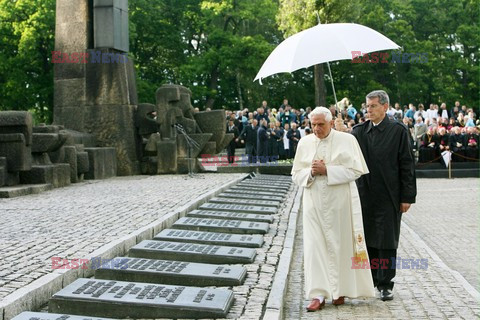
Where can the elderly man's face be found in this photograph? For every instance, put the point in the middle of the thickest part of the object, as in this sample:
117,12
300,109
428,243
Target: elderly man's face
321,127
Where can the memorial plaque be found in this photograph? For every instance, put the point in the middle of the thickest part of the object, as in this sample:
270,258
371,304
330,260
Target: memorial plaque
269,181
254,202
174,272
181,251
213,238
263,191
53,316
260,188
118,299
264,186
238,208
274,178
253,195
221,225
230,215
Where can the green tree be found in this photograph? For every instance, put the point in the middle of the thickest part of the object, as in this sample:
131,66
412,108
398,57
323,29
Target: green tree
27,29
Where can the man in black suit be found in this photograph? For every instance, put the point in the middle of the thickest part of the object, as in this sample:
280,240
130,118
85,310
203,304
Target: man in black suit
231,128
249,137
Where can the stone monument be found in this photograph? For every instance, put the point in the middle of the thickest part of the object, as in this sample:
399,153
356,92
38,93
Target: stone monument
98,96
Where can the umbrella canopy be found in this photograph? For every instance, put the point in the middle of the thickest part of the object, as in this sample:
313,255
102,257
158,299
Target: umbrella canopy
323,43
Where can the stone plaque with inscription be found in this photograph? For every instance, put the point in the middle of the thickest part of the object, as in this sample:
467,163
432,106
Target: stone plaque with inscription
281,183
194,252
217,238
174,272
261,187
265,186
262,191
242,195
221,225
53,316
254,202
118,299
254,193
230,215
238,208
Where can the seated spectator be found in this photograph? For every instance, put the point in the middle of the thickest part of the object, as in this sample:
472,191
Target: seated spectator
443,142
451,124
429,145
471,141
460,120
457,145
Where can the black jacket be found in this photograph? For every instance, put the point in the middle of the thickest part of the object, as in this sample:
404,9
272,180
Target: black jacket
249,134
391,181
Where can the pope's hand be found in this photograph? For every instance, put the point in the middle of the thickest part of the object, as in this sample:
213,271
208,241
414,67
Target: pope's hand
318,168
404,207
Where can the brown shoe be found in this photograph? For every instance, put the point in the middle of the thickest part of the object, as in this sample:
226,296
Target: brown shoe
316,305
338,301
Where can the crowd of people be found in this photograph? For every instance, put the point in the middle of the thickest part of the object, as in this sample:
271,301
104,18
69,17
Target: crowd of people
271,134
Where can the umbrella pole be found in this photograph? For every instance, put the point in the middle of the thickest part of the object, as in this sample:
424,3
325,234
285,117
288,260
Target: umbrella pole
333,87
329,71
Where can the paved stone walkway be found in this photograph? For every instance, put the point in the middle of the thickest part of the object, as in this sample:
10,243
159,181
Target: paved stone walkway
74,221
437,292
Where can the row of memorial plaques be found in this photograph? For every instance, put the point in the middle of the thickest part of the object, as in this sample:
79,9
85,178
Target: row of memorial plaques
202,249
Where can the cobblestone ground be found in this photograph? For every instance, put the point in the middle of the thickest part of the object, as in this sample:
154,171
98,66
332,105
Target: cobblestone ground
74,221
432,293
446,217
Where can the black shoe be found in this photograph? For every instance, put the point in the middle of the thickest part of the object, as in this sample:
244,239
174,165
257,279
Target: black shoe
386,294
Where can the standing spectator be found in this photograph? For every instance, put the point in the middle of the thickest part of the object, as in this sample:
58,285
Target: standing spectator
407,122
262,142
420,113
287,116
261,115
419,131
286,142
333,110
249,137
431,113
398,112
272,143
391,111
410,112
231,128
293,136
272,116
442,112
279,134
388,190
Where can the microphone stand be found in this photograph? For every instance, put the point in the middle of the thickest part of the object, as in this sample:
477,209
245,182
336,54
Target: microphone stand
190,145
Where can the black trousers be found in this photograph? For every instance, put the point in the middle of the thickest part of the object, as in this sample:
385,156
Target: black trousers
231,153
382,270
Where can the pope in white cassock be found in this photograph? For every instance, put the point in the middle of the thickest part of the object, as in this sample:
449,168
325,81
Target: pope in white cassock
326,164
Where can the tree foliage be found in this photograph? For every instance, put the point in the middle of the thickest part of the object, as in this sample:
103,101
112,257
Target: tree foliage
216,47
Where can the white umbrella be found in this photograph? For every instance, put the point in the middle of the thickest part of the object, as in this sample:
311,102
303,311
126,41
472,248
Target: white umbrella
323,43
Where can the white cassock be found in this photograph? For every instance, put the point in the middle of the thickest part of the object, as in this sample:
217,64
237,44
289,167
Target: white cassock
332,217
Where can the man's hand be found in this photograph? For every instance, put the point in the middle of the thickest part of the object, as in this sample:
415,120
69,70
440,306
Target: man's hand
318,168
404,207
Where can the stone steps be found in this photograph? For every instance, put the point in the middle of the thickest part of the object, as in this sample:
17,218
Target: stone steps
168,277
